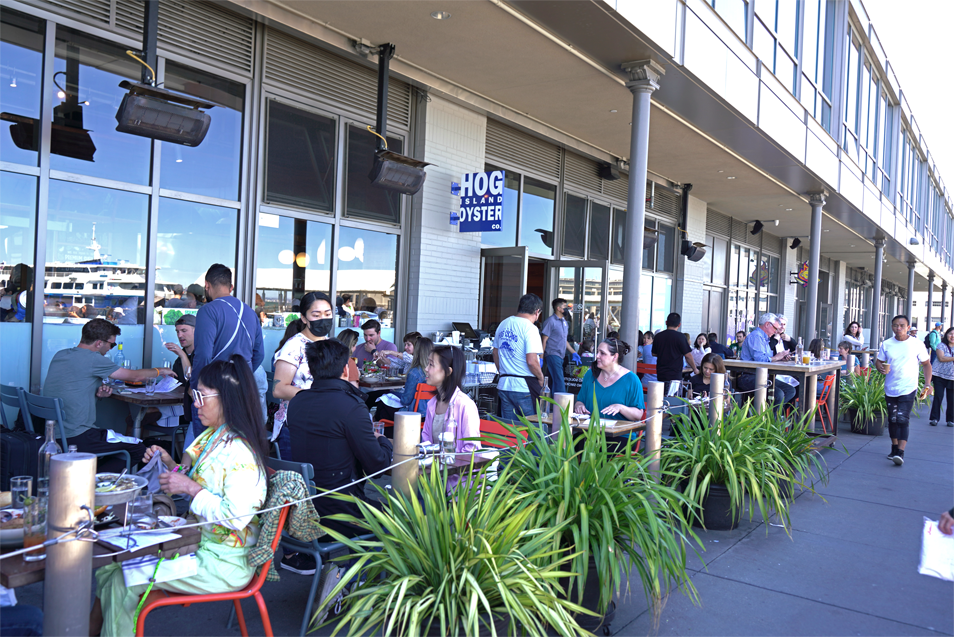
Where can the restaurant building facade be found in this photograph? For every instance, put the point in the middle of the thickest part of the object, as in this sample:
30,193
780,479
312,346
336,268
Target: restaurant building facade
763,107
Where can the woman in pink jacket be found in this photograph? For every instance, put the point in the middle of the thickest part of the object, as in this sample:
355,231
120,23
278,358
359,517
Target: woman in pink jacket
450,410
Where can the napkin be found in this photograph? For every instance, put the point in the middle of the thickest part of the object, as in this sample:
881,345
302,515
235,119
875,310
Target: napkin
112,436
151,472
937,552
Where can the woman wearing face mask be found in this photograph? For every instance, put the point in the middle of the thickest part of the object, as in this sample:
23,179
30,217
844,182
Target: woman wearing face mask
291,367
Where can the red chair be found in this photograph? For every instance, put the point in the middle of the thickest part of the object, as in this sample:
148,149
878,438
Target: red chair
823,403
422,392
645,368
252,590
491,427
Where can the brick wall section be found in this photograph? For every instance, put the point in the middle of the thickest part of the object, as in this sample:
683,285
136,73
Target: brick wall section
444,264
693,273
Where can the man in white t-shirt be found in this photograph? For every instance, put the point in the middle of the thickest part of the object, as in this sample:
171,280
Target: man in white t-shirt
517,350
898,359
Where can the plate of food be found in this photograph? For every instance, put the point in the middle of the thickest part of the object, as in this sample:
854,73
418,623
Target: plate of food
113,489
11,528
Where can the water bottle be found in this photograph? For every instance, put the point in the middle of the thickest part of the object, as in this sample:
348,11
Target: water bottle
49,449
121,361
799,351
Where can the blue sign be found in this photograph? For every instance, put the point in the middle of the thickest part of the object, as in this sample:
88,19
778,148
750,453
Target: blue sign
482,202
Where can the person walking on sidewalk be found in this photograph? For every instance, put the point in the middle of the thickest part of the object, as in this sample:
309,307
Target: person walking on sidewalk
555,345
944,379
898,359
932,340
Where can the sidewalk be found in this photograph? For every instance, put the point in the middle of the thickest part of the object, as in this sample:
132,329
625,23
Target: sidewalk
849,568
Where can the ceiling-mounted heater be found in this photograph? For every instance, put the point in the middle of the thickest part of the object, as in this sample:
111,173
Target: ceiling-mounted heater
392,171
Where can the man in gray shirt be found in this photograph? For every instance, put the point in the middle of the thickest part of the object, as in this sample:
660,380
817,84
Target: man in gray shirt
76,376
555,345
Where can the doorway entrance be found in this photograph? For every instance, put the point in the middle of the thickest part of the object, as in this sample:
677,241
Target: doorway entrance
583,285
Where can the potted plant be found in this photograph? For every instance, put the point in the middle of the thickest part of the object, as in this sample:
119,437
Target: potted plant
862,398
800,458
610,513
716,467
471,564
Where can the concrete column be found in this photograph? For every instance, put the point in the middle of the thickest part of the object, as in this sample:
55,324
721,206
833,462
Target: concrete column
876,296
654,412
930,301
943,303
644,79
909,303
817,200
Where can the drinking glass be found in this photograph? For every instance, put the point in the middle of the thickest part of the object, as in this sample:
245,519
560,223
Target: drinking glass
21,488
151,386
378,428
139,513
34,527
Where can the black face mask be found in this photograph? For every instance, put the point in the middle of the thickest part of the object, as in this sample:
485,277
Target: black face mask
320,327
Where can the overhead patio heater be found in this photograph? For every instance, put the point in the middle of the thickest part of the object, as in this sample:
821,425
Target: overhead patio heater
392,171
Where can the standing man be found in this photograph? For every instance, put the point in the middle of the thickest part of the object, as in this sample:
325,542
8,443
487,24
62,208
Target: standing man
933,340
756,348
374,346
555,345
185,352
76,376
898,359
517,350
671,348
226,326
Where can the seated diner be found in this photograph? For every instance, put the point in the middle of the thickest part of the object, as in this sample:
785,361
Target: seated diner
711,364
415,376
450,410
223,472
618,392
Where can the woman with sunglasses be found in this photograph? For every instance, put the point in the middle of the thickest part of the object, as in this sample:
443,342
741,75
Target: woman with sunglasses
618,392
223,471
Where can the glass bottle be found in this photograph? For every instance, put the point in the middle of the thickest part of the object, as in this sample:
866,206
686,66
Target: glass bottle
50,448
799,351
121,361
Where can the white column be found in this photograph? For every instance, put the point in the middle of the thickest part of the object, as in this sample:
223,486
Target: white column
930,301
944,301
817,200
644,79
876,296
909,303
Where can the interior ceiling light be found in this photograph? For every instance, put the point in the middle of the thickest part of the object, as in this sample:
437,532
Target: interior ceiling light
613,110
441,15
787,210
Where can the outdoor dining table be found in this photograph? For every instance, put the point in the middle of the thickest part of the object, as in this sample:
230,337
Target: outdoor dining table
381,384
15,572
609,426
144,401
807,376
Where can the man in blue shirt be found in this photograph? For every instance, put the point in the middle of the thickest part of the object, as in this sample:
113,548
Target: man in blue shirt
756,348
225,326
555,345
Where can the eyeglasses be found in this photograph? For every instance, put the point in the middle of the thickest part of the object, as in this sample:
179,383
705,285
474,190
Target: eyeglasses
112,345
199,398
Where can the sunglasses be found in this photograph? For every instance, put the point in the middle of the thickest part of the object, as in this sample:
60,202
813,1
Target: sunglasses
199,398
111,345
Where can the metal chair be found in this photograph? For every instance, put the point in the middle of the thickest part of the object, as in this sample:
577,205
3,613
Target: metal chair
321,551
49,408
252,590
13,396
823,411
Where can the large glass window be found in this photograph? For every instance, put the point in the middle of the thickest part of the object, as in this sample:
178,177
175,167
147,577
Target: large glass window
599,231
293,257
184,252
655,301
574,226
212,167
619,234
300,163
364,200
852,70
660,257
536,219
21,72
735,13
817,59
84,139
367,270
775,38
507,235
96,241
17,219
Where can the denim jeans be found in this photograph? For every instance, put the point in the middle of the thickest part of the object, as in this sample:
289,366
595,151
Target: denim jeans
21,620
899,415
555,372
515,403
784,393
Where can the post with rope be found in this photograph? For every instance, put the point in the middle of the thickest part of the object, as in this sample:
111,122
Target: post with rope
69,564
865,359
716,399
761,388
850,364
407,436
565,402
654,415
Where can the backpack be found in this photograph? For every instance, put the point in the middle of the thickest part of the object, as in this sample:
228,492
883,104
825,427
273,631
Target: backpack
927,342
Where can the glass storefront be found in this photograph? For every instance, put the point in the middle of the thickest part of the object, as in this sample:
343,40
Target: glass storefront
17,218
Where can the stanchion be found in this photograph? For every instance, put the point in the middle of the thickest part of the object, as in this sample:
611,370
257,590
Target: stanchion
654,412
851,363
407,435
69,565
565,401
761,389
716,399
865,360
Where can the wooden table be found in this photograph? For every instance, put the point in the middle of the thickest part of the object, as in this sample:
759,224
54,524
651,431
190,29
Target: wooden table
462,461
385,384
144,401
15,572
807,376
609,426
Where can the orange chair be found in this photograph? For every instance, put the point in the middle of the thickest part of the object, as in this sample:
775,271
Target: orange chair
422,392
252,590
492,427
645,368
823,411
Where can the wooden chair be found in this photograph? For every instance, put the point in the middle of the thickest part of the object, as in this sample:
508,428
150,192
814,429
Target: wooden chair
252,590
422,392
493,428
823,411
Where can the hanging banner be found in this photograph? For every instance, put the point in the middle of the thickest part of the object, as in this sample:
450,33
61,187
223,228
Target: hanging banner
482,202
803,274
